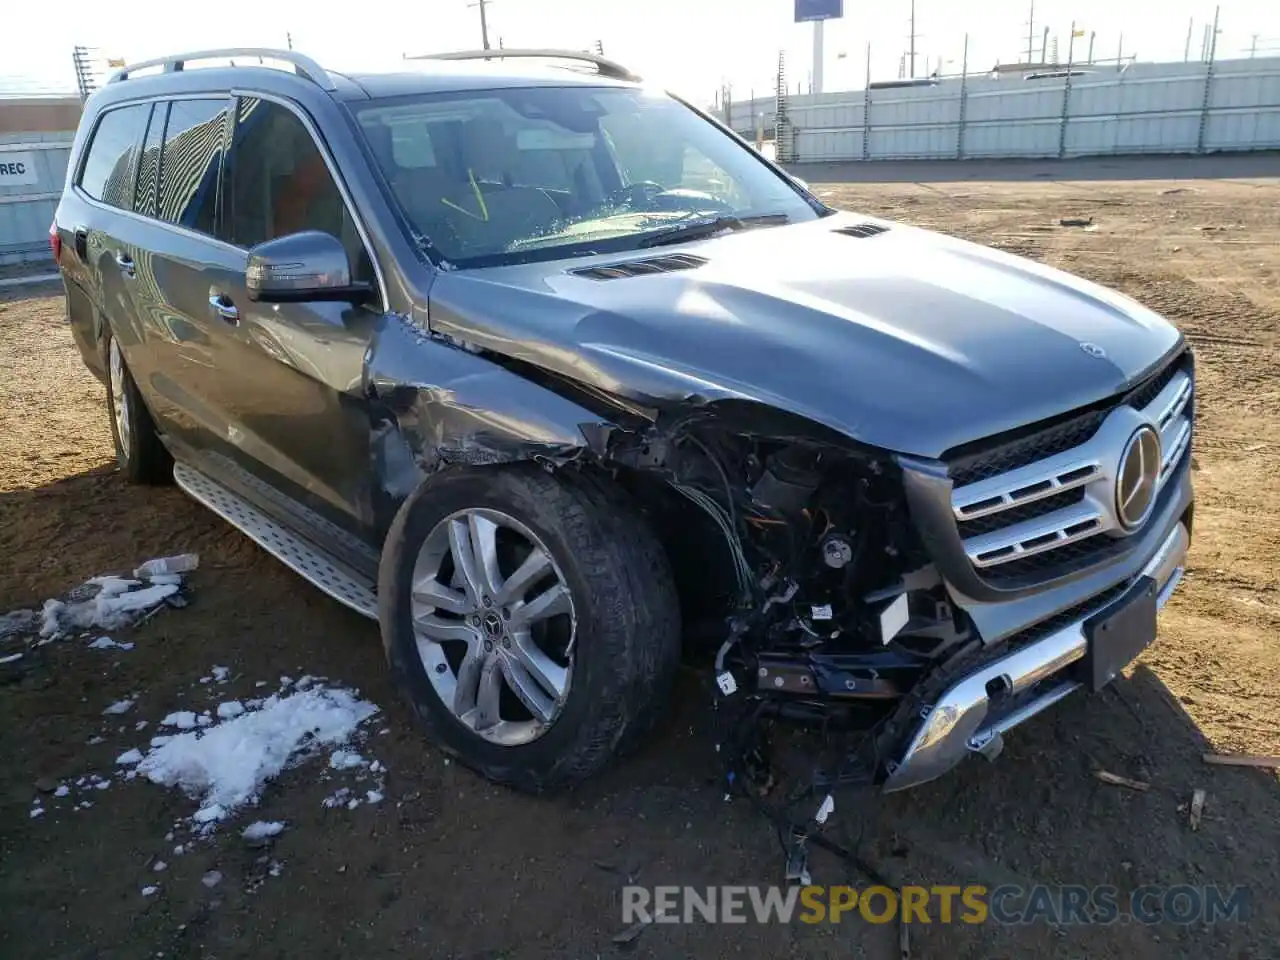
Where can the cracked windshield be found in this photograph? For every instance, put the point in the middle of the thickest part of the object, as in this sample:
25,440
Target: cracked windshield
512,175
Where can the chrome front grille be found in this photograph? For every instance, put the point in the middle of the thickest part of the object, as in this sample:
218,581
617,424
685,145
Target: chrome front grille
1068,498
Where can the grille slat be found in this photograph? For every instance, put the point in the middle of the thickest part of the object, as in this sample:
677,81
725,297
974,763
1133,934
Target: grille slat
1039,504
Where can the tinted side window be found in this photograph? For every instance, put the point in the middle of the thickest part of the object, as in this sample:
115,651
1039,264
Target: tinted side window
149,163
278,183
112,162
192,160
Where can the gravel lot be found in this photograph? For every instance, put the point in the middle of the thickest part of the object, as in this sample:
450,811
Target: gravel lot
447,865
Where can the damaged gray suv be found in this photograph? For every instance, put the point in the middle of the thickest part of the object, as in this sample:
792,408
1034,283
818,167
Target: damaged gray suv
552,374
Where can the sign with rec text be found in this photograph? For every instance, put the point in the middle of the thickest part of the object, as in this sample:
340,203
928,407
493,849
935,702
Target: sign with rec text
819,10
17,169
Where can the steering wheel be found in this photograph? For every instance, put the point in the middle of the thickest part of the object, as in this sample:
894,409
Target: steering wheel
638,195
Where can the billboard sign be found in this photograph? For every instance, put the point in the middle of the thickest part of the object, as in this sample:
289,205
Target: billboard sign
807,10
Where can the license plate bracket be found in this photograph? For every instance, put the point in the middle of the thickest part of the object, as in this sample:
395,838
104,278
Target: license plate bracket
1119,632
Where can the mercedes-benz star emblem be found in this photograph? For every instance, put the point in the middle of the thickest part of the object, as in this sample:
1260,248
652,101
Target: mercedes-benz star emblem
1093,350
1136,478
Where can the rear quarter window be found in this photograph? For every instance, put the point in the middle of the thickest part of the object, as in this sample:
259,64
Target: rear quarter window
111,165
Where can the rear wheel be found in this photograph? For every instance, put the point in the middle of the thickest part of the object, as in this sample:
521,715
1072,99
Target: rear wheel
141,455
530,620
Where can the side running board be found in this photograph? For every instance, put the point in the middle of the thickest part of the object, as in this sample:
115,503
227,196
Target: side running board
313,564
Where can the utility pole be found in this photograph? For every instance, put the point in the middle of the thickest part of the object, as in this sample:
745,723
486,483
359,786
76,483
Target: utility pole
1031,33
1044,45
1253,47
484,21
912,48
1186,51
1092,35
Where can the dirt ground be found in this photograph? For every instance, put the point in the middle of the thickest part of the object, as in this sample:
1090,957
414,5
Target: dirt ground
451,866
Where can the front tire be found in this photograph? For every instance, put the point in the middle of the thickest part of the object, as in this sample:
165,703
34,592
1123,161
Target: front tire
142,457
530,620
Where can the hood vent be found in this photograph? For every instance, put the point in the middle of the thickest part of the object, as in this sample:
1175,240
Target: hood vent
862,230
640,268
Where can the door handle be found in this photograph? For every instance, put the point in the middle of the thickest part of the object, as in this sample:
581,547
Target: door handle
224,308
81,235
125,263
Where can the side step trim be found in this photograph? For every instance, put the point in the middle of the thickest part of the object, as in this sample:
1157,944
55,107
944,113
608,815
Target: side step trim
304,558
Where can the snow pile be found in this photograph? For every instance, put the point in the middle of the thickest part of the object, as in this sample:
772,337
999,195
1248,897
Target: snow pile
227,765
116,603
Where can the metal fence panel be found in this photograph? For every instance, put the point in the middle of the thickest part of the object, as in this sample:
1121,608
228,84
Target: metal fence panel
27,202
1145,108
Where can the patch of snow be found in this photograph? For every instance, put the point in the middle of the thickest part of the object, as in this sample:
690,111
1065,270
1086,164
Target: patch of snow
275,868
149,891
230,710
140,725
338,798
160,741
227,765
262,829
11,658
204,719
130,757
106,643
222,674
285,681
345,760
159,866
373,796
37,812
182,719
261,683
62,790
94,740
102,784
211,879
209,814
179,850
115,604
120,706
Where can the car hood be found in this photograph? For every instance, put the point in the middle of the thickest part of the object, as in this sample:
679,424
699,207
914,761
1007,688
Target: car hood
906,340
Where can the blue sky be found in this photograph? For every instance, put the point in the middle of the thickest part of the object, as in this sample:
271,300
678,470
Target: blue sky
691,46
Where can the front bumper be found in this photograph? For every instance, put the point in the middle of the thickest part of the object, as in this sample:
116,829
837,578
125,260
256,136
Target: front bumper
972,715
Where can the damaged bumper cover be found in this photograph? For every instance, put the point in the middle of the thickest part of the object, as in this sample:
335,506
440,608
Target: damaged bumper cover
972,714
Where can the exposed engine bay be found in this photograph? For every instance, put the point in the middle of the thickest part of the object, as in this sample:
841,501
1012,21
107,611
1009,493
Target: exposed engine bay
833,610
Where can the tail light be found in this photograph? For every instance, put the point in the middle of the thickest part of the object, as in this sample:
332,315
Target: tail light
55,242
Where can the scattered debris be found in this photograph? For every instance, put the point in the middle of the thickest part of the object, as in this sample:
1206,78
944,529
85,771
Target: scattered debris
1075,221
1119,781
1197,808
1242,760
11,658
166,566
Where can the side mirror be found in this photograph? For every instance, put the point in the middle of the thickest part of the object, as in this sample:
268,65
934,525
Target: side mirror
301,267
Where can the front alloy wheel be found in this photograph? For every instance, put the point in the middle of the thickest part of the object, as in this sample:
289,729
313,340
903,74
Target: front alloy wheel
495,625
529,619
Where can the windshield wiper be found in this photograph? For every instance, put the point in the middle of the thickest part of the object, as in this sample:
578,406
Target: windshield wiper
698,229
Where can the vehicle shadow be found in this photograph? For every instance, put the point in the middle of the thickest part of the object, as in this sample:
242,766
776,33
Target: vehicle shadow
1263,164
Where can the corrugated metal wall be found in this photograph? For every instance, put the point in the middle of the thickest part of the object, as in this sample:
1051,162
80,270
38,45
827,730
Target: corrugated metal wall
27,202
1230,105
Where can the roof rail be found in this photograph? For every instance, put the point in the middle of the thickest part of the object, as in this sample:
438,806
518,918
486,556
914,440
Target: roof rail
304,65
606,68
